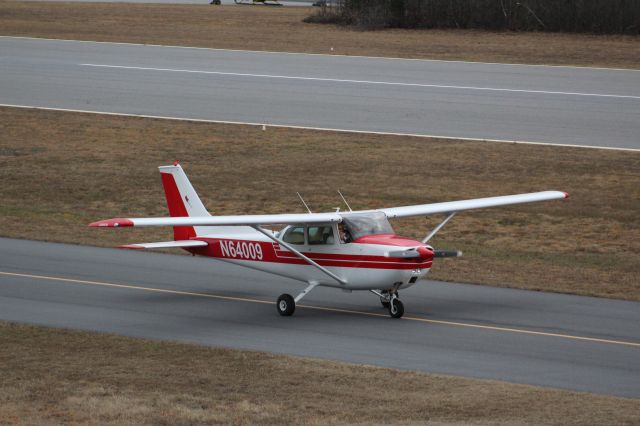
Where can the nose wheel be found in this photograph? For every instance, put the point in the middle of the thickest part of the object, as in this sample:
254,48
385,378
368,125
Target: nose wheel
389,300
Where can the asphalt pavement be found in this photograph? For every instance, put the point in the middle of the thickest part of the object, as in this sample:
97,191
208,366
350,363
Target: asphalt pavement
558,105
564,341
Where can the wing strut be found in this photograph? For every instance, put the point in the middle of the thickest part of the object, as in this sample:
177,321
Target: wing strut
439,227
300,255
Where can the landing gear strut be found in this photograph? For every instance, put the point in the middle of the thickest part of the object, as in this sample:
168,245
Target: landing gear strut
384,299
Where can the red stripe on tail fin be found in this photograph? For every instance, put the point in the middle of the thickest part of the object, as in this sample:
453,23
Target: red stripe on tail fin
176,207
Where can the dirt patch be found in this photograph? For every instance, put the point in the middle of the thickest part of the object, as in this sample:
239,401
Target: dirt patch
54,376
63,170
282,29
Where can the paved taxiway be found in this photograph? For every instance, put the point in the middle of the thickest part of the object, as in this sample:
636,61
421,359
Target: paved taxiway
562,105
543,339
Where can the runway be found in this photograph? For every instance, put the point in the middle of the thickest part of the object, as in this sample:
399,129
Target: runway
555,340
557,105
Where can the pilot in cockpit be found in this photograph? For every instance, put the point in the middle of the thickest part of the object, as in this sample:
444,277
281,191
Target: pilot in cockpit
345,236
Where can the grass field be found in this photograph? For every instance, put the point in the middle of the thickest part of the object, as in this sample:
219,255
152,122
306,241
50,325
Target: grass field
282,29
54,376
62,170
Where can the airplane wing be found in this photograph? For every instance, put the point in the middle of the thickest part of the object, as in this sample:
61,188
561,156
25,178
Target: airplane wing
265,219
310,218
476,203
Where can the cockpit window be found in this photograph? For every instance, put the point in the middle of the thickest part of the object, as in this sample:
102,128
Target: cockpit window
294,235
320,234
363,224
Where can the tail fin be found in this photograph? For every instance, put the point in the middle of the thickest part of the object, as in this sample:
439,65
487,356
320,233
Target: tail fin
182,199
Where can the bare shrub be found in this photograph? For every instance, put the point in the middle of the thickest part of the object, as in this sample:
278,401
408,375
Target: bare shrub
590,16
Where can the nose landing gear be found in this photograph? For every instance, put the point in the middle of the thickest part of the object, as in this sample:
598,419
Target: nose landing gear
396,307
384,298
390,300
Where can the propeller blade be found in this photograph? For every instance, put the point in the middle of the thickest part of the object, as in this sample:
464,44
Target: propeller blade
447,253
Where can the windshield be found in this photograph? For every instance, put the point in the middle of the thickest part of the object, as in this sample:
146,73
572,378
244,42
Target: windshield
363,224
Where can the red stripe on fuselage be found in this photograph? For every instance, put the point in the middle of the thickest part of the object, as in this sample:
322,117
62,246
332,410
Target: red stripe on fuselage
268,253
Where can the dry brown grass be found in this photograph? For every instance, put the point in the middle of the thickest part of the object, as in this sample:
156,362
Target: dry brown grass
282,29
61,171
54,376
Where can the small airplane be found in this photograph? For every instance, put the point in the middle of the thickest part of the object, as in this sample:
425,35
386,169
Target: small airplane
348,250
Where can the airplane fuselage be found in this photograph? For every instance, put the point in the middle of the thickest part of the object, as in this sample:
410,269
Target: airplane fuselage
363,265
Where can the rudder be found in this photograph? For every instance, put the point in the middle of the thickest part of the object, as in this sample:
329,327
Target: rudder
182,199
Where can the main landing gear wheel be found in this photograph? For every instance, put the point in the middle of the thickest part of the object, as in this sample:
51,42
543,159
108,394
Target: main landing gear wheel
286,305
396,308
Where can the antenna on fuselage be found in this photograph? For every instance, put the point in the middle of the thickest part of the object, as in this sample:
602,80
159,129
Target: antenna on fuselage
305,204
345,201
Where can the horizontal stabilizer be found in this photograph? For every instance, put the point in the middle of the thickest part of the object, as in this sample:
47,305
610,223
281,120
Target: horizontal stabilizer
166,244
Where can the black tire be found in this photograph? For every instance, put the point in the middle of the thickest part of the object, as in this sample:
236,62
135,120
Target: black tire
286,305
396,308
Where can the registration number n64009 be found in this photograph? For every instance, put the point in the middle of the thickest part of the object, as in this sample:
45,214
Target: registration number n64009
241,250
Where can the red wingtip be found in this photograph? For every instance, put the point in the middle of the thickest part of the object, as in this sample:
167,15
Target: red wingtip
130,247
566,195
111,223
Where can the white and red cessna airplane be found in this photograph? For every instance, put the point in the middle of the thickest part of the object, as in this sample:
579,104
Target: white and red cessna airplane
349,250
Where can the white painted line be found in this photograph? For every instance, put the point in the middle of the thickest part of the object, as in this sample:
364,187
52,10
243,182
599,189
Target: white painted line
332,55
328,129
371,82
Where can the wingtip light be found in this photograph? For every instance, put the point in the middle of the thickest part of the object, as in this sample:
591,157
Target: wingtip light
566,195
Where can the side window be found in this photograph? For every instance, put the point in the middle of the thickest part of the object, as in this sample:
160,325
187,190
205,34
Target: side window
294,235
321,234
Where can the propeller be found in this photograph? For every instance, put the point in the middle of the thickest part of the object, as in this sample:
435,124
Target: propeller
447,253
423,252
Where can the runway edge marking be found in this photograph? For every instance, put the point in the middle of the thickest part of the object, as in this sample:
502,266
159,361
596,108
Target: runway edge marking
372,314
324,129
